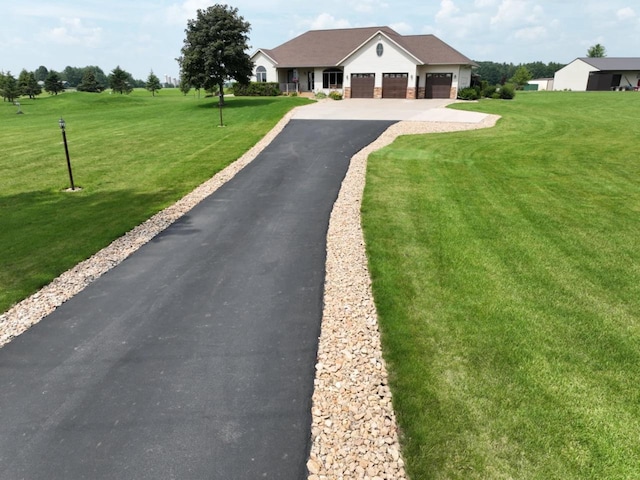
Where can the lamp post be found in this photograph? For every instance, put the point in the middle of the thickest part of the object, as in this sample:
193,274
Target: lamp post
66,150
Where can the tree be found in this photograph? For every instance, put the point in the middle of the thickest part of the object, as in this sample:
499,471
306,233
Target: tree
53,83
28,84
153,84
41,73
119,81
185,88
9,86
597,51
521,77
72,75
90,83
215,49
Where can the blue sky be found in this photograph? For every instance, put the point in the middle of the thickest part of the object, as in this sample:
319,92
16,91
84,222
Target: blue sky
145,35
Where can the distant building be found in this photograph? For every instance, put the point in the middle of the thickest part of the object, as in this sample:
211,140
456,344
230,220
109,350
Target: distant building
592,74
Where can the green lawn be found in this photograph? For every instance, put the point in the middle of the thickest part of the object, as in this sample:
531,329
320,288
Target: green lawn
506,271
133,155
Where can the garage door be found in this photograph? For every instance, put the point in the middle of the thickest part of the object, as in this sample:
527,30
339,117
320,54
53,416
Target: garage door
362,85
394,85
438,85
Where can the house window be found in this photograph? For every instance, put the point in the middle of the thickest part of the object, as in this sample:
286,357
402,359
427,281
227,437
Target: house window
261,74
332,78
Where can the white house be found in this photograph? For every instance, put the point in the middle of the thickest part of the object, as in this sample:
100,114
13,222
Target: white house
372,62
606,73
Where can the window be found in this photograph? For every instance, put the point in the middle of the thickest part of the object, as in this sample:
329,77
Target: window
261,74
332,78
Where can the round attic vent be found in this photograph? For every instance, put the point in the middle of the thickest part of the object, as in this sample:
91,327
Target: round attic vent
379,49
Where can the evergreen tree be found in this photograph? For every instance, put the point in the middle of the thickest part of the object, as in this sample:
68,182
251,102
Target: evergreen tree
10,89
153,84
28,84
90,83
119,81
53,83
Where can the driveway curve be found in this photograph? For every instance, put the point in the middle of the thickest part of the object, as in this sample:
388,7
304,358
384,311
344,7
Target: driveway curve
194,358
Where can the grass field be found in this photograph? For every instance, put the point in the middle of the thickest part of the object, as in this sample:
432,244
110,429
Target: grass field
506,271
132,155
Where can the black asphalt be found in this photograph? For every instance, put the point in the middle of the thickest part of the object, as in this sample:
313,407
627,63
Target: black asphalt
194,358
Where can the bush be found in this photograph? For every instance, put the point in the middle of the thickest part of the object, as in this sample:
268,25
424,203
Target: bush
489,90
335,95
507,91
256,89
321,95
468,94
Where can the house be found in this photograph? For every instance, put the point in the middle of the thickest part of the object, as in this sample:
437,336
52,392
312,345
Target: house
373,62
606,73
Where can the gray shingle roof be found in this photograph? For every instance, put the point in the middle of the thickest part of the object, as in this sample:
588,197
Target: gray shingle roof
326,48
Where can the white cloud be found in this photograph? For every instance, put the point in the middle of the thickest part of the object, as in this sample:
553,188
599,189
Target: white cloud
531,33
326,21
625,13
369,6
73,32
447,10
402,28
517,12
179,13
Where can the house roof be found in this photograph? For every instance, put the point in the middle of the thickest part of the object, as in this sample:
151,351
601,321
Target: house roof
613,63
327,48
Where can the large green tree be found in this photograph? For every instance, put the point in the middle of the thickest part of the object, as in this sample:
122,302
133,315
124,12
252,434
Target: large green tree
53,83
215,49
521,77
597,51
9,88
119,81
28,84
89,82
153,83
41,73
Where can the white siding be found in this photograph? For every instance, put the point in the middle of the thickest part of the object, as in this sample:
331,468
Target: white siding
573,76
366,60
261,60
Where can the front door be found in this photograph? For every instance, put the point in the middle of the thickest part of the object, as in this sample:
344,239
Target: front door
311,81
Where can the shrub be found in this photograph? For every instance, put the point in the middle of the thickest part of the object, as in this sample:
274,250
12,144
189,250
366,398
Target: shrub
335,95
256,89
489,90
321,95
468,94
507,91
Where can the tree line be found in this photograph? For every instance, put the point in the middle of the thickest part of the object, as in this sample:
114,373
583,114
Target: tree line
86,79
500,73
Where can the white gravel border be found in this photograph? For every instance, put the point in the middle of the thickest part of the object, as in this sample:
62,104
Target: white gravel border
354,432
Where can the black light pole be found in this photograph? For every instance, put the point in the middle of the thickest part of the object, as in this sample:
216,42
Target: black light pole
66,150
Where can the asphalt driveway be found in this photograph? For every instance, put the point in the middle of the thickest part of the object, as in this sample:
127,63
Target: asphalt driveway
194,358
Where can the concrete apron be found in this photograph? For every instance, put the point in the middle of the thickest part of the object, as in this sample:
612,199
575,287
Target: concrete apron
387,109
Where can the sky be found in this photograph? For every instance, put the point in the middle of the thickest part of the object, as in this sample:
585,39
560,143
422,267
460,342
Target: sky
142,36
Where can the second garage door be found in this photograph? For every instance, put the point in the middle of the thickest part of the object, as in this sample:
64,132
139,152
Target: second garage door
438,85
394,85
362,85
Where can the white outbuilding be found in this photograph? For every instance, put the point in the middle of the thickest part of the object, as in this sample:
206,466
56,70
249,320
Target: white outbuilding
593,74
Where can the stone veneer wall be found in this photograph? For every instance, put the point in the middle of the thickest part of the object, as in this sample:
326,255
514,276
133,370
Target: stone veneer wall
411,93
377,92
454,93
347,92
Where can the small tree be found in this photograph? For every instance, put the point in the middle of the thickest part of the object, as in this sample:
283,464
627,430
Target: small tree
521,77
185,88
90,83
153,84
53,83
215,49
119,81
9,86
597,51
28,84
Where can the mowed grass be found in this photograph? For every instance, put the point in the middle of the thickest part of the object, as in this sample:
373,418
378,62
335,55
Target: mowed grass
506,271
133,155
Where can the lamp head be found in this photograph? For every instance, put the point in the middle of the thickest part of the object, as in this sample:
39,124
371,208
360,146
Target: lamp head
61,123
